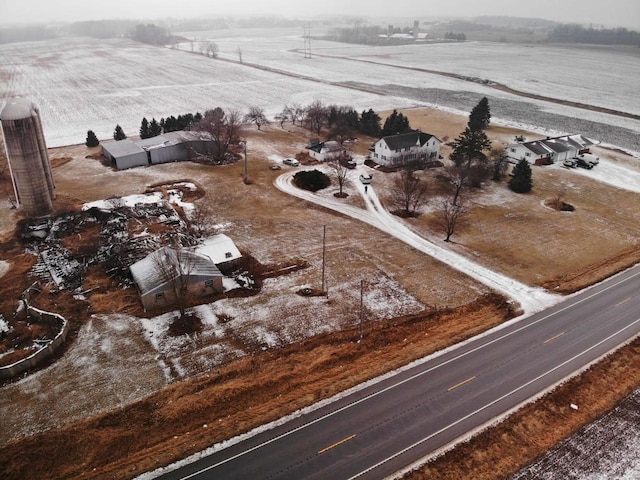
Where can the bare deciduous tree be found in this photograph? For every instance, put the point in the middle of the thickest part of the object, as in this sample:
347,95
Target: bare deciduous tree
408,192
224,128
212,49
340,172
498,162
174,267
316,116
458,179
256,115
282,117
450,215
294,112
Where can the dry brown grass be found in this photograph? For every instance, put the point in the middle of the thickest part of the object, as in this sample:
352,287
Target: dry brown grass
168,425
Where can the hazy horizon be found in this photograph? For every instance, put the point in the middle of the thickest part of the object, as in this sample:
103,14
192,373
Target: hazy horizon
623,13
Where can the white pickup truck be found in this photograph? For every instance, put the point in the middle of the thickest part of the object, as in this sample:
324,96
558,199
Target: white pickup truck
366,179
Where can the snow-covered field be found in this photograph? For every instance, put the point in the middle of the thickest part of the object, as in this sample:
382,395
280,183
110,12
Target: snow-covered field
606,449
83,84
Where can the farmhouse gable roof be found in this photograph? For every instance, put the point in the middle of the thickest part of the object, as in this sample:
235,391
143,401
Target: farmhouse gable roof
414,138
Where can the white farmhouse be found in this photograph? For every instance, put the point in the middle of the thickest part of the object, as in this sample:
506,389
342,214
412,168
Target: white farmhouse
397,150
550,150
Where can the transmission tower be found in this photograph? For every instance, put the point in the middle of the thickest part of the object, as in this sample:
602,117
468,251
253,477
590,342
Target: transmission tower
307,40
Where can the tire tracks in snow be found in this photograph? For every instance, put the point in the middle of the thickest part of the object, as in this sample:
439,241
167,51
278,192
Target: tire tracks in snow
531,299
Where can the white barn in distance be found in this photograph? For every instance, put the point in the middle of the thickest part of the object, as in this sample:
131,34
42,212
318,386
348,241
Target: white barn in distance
28,158
550,150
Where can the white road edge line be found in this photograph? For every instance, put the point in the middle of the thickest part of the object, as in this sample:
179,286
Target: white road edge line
397,454
397,384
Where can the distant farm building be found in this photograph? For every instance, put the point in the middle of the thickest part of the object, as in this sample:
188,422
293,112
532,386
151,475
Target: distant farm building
28,157
550,150
403,148
160,274
327,151
169,147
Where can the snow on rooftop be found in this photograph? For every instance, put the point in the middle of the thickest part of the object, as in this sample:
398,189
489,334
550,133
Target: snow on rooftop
220,249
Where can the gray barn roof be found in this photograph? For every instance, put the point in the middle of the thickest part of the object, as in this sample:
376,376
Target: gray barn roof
121,148
560,144
148,278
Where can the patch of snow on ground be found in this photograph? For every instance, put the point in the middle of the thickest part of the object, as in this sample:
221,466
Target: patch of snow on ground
4,327
605,449
109,365
612,174
531,299
4,268
127,201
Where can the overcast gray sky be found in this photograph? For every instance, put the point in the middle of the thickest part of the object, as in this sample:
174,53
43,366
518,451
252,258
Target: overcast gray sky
608,12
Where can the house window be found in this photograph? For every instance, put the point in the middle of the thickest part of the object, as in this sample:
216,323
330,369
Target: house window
160,296
513,150
227,255
208,283
527,154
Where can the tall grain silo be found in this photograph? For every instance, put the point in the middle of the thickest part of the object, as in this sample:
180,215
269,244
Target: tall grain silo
28,158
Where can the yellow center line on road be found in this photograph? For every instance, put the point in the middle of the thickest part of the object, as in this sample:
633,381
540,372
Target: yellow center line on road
623,302
337,443
553,338
461,383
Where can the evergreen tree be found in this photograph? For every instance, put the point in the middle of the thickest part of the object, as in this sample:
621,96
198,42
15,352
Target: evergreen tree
470,146
370,123
144,129
394,124
480,115
154,128
118,134
521,181
92,140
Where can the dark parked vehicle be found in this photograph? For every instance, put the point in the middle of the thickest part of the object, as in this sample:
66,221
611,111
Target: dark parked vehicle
584,164
349,164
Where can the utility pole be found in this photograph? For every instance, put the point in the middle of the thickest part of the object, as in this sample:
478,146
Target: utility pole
324,249
361,320
246,171
307,40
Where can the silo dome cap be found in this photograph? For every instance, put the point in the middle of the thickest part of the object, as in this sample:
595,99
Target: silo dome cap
17,109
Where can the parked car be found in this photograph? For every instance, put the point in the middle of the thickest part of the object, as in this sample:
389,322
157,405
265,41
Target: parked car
592,159
349,164
569,162
366,179
584,164
291,161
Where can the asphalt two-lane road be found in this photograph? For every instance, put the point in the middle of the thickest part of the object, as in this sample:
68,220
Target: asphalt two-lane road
387,426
